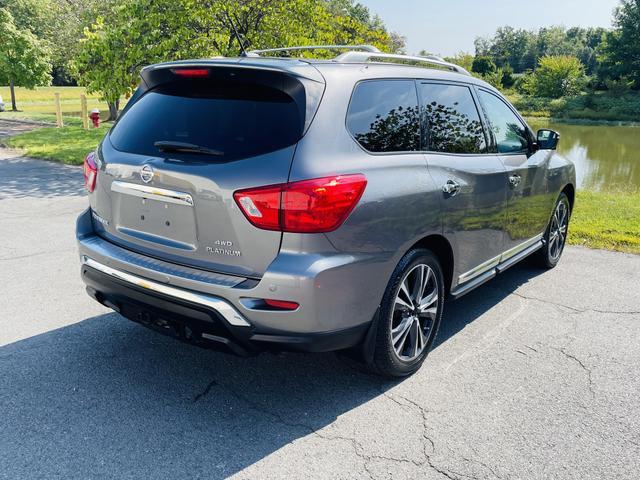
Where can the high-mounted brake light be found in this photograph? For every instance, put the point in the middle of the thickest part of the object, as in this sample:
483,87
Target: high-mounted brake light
191,72
308,206
90,170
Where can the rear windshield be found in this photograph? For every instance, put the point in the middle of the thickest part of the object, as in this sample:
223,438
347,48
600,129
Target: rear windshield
240,120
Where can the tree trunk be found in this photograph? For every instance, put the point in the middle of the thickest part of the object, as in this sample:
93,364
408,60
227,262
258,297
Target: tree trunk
13,96
113,110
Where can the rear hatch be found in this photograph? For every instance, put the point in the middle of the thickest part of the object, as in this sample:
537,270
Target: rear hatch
192,135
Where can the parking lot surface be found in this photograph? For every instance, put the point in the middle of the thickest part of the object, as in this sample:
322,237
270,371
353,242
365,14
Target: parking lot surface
535,375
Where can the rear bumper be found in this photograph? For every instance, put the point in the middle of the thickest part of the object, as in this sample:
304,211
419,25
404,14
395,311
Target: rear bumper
212,310
205,325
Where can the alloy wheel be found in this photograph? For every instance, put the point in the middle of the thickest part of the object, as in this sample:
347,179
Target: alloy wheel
414,312
558,230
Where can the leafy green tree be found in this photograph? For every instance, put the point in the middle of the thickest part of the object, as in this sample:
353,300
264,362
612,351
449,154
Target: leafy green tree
522,49
622,48
140,32
483,65
559,76
24,60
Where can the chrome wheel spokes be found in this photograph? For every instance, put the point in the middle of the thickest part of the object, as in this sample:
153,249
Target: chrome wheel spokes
414,313
558,230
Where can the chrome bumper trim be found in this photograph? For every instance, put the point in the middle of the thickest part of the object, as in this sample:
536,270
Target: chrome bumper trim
225,309
153,193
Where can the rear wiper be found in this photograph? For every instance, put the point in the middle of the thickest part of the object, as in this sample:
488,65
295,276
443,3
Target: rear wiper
169,146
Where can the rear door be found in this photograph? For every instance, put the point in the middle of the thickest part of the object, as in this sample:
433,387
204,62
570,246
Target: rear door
473,181
175,203
528,203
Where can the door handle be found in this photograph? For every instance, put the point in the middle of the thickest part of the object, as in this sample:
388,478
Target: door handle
451,188
514,180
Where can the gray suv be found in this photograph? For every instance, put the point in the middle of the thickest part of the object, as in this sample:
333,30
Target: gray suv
275,203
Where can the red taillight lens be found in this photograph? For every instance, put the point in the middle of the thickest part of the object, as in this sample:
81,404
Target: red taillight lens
320,205
308,206
281,304
191,72
261,206
90,171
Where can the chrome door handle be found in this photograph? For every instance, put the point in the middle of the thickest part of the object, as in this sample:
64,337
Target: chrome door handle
514,180
451,188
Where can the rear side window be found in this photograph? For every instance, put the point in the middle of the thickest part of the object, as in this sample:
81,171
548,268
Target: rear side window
239,120
511,135
452,120
383,116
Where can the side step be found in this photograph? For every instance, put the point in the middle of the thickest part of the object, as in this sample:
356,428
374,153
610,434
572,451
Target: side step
467,287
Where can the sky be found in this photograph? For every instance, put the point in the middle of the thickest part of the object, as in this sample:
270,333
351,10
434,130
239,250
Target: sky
446,27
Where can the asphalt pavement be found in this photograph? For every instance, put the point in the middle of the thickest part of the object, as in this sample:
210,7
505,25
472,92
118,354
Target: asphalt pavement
535,375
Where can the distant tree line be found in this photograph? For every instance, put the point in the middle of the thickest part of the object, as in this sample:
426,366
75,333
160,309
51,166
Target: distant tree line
556,61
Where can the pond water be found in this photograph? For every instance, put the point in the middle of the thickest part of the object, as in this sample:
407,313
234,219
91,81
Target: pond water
606,157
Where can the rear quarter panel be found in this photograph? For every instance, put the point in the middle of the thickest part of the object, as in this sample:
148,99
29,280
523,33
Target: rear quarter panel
400,204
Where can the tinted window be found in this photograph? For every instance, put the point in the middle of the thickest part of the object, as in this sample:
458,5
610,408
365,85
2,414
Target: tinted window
510,134
240,121
383,116
452,121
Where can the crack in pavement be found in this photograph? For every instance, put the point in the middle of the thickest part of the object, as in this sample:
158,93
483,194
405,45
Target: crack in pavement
582,365
448,473
574,309
36,254
357,446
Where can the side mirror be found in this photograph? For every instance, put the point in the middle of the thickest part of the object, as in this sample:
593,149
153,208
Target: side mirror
547,139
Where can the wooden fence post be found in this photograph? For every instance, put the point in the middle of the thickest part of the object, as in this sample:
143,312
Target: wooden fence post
58,111
83,112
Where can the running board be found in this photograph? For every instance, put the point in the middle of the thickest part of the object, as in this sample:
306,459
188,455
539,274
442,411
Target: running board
506,265
467,287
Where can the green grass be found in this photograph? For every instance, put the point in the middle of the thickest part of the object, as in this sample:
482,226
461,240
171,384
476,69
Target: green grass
607,220
42,101
67,145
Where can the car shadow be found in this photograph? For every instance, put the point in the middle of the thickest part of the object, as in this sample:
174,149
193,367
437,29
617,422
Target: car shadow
22,177
459,313
106,397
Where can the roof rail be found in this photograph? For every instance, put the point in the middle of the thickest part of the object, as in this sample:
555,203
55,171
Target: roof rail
363,57
363,48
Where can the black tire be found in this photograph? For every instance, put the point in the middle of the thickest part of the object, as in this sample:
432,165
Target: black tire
549,255
386,361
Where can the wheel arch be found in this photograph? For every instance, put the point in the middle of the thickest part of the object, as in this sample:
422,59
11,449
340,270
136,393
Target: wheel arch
441,247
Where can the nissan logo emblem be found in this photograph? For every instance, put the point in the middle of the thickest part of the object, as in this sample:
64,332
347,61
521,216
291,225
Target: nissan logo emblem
146,173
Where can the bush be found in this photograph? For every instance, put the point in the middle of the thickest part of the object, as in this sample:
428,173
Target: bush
559,76
494,78
483,65
618,88
526,84
507,77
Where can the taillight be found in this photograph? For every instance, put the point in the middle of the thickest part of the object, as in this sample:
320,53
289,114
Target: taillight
308,206
191,72
90,170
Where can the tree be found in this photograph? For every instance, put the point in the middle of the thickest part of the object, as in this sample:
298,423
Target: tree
24,60
622,45
483,65
558,76
139,32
